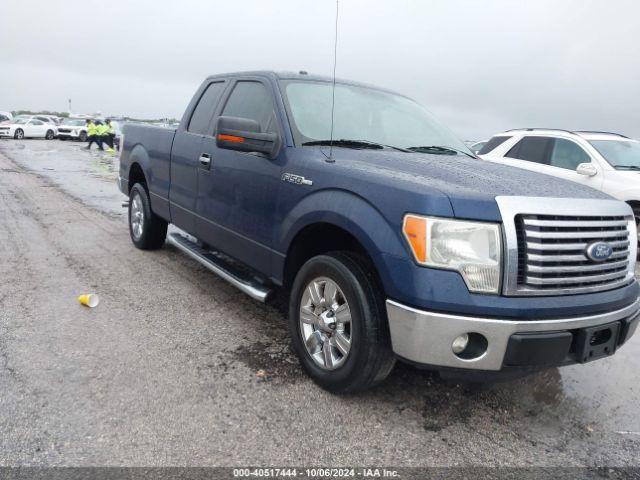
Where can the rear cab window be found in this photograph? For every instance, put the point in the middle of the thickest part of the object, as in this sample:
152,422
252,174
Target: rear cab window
203,113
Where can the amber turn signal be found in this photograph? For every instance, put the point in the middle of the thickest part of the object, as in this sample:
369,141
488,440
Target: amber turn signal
415,231
230,138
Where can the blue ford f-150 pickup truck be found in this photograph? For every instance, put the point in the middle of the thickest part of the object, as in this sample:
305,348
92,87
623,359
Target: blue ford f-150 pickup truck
392,239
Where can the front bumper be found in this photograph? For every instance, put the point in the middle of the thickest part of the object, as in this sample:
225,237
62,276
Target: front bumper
426,338
70,134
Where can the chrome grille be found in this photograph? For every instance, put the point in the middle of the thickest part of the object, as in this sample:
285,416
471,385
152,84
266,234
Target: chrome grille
552,253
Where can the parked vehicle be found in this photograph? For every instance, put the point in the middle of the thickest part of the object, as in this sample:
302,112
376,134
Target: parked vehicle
73,129
28,128
609,162
393,240
477,146
117,125
5,117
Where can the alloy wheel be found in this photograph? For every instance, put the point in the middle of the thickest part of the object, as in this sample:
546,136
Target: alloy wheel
325,323
137,216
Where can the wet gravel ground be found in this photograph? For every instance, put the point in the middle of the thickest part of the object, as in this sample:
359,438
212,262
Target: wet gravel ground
175,367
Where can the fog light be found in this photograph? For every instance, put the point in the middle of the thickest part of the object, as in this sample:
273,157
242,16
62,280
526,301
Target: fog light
460,343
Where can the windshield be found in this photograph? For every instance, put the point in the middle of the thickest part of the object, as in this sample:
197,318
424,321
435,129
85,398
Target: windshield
619,153
365,114
73,122
20,121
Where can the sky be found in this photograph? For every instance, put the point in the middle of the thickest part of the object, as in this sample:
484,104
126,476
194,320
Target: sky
480,66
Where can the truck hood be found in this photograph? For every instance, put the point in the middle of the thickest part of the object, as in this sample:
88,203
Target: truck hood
470,184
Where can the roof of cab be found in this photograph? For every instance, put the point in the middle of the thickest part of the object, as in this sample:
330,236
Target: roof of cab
301,75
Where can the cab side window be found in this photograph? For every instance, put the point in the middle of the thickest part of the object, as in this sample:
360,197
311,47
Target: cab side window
36,122
532,149
567,154
252,100
205,109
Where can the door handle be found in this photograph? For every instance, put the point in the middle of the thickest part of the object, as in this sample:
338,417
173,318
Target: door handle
205,159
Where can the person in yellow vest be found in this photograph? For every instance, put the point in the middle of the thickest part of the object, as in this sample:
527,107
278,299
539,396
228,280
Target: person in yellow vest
92,135
101,132
109,136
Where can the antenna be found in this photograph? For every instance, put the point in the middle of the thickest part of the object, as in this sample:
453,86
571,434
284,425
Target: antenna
333,88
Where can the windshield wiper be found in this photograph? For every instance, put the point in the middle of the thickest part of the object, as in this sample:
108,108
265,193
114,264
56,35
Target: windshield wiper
627,167
438,150
346,143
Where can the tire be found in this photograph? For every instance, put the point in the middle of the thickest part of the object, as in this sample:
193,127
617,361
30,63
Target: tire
50,135
147,230
369,358
19,134
82,137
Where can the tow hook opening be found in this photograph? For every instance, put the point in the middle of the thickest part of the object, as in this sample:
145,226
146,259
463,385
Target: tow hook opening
600,337
470,346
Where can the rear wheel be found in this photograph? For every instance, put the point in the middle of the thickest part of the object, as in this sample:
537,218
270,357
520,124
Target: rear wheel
50,134
338,323
147,230
19,135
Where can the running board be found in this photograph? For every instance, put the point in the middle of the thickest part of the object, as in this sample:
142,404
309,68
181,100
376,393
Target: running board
220,267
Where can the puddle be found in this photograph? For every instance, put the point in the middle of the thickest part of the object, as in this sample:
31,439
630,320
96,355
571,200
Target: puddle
269,362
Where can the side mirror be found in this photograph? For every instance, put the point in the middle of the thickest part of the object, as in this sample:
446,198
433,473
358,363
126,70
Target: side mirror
587,169
243,134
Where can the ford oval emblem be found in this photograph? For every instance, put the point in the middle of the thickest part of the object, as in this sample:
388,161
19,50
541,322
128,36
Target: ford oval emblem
599,251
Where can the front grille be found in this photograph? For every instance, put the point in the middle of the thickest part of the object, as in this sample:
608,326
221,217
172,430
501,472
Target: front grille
64,130
552,253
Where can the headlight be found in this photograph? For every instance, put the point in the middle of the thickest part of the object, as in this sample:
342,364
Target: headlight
472,248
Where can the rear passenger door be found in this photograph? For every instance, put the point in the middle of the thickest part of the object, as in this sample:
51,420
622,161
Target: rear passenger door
185,157
237,191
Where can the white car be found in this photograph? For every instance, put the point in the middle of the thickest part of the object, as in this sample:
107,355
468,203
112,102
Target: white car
609,162
5,117
73,128
28,128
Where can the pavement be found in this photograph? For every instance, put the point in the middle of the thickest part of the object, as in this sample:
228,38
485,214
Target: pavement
177,368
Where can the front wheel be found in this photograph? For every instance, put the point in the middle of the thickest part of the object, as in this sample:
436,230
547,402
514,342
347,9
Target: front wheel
82,137
338,323
50,134
19,135
147,230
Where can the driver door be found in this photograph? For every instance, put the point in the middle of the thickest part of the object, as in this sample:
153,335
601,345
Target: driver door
565,156
236,201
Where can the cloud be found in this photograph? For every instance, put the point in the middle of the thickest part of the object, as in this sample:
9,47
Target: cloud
481,67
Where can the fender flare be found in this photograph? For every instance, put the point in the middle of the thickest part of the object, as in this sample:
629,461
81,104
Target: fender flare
350,212
140,156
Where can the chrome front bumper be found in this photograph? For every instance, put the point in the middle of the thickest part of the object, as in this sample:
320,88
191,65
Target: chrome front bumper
426,337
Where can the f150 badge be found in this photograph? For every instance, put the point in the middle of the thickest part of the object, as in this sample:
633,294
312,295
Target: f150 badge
297,179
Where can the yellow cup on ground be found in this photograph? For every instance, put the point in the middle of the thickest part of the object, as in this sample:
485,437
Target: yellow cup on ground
90,300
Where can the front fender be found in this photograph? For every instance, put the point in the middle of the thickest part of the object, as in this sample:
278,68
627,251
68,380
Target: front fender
379,237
